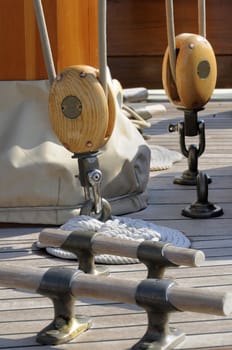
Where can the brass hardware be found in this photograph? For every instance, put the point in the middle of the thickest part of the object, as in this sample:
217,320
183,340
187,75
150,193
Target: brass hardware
65,325
71,107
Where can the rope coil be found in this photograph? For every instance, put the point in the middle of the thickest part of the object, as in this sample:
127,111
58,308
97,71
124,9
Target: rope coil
120,227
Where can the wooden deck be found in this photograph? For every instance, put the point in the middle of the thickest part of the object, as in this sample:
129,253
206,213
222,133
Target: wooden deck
117,326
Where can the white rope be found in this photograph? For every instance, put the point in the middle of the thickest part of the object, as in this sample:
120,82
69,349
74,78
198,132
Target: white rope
138,121
120,227
47,52
163,158
171,36
102,43
202,18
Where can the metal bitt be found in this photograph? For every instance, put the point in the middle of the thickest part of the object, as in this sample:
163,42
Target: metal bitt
149,253
190,127
65,326
80,244
152,255
90,178
86,244
202,208
159,336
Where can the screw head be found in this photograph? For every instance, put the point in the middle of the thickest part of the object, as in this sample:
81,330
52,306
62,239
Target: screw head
83,74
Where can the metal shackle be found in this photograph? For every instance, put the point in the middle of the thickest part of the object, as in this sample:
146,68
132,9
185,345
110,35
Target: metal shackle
81,114
195,72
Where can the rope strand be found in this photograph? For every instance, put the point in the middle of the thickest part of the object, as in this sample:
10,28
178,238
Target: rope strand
201,18
102,44
47,52
171,36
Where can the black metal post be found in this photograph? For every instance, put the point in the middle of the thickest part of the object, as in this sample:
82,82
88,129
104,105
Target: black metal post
188,128
159,336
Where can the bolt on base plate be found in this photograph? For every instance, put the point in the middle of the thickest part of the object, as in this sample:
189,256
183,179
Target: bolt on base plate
202,211
56,333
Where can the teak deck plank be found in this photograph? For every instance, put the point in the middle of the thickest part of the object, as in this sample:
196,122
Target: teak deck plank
119,326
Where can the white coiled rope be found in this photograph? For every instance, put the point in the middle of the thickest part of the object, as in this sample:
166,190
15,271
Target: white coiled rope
120,227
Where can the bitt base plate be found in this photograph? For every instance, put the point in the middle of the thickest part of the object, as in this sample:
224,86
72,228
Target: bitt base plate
168,342
202,211
55,334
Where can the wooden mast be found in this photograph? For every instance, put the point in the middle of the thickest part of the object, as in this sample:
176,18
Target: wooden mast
72,27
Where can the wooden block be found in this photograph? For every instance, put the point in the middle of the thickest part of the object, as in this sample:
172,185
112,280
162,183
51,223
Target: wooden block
78,109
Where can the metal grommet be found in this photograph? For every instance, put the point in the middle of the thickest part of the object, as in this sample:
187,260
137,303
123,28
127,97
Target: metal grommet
203,69
71,107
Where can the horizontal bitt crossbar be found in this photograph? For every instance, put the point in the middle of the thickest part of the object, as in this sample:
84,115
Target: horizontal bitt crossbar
114,289
181,298
20,277
102,244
